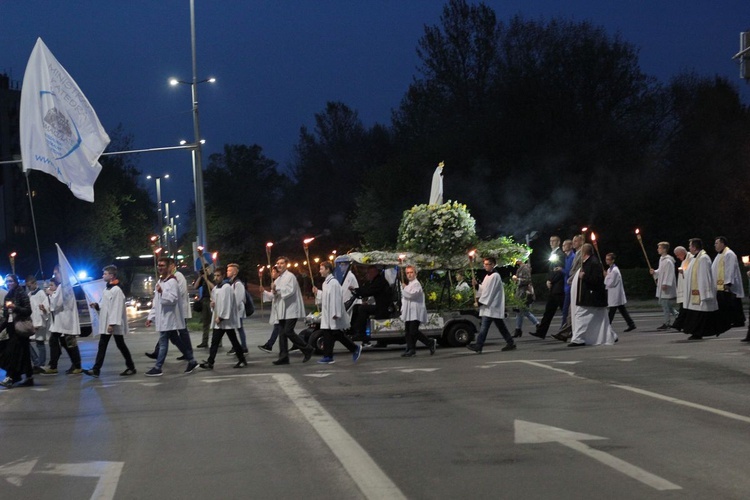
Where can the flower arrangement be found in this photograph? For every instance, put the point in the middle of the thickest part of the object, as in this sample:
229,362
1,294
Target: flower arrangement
441,230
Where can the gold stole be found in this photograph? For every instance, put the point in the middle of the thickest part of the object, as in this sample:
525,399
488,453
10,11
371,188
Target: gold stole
695,294
720,272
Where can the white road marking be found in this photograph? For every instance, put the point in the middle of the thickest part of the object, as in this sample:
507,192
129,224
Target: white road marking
412,370
107,472
363,470
529,432
662,397
682,402
14,472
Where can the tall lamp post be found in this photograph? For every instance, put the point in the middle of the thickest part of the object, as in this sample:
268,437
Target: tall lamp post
158,204
200,207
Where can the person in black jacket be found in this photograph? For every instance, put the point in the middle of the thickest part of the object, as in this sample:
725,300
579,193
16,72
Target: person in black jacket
588,293
16,358
375,286
556,299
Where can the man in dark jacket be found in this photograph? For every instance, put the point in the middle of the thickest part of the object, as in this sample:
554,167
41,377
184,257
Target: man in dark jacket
556,299
375,286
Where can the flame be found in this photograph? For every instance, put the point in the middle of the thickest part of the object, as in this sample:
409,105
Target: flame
269,244
584,229
593,236
472,254
307,241
401,257
637,231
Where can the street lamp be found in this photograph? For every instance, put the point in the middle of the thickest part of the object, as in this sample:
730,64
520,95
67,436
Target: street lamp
158,201
200,207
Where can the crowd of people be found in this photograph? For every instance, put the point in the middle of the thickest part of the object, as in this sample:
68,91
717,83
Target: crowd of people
697,296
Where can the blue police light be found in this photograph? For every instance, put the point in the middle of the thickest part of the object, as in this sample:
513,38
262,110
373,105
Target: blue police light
82,275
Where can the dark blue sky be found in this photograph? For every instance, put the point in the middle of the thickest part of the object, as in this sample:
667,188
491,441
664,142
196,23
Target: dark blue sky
278,62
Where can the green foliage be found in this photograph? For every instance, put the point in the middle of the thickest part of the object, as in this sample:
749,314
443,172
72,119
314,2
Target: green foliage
442,230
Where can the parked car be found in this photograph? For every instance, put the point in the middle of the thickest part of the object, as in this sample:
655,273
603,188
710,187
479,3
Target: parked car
84,314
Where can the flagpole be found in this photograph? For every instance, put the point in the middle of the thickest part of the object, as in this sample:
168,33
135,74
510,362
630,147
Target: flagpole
33,223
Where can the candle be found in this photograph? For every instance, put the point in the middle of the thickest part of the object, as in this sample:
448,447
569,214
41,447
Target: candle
640,240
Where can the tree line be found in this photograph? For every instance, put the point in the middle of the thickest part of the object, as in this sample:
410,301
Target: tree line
544,125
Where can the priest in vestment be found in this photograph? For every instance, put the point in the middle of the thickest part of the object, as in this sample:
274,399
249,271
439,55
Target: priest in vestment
702,318
729,289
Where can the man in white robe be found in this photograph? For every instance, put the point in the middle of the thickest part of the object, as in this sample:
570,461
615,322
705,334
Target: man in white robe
701,309
729,288
333,316
168,317
225,320
666,284
65,327
289,308
491,299
616,299
113,322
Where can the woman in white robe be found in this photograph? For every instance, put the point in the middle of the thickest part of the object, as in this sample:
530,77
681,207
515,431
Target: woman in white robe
589,304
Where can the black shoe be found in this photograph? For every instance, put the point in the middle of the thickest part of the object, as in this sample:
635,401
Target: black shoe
576,344
695,337
206,365
92,373
230,352
282,361
308,354
27,382
517,333
538,335
266,348
240,364
746,339
560,337
509,347
151,355
473,347
432,346
409,353
630,328
662,327
182,358
191,366
202,345
128,372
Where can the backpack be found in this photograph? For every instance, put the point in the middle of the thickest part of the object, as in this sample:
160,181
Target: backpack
249,305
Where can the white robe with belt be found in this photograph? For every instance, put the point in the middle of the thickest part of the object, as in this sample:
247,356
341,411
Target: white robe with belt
704,284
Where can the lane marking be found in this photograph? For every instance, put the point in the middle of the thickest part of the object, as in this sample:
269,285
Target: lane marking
682,402
363,470
532,433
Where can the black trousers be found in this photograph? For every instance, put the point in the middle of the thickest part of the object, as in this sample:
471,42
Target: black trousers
360,314
101,352
329,339
287,332
216,341
67,342
623,312
413,334
554,302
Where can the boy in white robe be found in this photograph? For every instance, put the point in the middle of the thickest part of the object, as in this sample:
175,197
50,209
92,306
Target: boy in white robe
113,322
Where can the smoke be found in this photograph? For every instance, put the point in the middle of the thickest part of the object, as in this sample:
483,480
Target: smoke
530,213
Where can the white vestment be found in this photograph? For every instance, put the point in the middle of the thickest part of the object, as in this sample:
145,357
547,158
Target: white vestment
665,277
732,274
331,300
590,324
491,297
703,284
166,313
112,312
413,306
615,289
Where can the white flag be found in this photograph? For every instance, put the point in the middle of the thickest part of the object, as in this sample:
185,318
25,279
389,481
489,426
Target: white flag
60,132
68,278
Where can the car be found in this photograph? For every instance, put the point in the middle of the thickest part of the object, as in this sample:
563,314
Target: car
451,327
84,314
139,303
